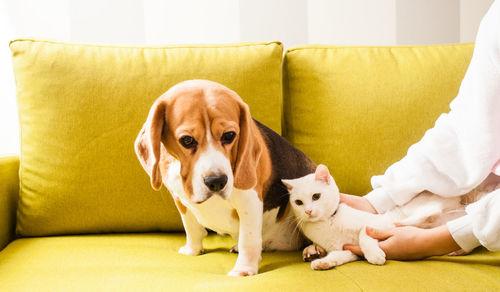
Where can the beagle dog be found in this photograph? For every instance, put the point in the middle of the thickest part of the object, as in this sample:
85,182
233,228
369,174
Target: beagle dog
223,169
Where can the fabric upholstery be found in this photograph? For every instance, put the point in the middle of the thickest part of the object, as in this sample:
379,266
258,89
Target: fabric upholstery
81,108
355,109
150,262
9,193
358,109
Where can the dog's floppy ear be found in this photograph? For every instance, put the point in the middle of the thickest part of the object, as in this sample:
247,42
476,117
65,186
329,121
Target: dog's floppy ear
148,143
249,151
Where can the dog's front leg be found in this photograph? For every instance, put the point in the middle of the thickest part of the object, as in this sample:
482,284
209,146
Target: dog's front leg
195,232
249,208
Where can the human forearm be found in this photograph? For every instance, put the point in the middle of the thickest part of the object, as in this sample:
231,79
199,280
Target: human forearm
439,241
411,243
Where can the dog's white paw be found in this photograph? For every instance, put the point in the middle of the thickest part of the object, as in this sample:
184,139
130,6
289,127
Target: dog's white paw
375,256
187,250
242,272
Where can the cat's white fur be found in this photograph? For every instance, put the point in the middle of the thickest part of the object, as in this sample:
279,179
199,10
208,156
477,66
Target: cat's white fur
332,225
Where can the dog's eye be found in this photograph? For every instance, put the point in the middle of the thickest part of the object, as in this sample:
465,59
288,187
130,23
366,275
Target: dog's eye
298,202
228,137
188,142
316,196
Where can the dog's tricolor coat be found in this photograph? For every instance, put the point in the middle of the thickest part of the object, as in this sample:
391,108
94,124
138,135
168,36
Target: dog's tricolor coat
223,170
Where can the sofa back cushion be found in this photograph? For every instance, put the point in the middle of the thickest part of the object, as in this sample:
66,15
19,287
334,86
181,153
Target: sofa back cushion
358,109
80,110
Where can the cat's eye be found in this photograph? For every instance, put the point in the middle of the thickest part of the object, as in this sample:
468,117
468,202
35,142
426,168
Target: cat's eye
188,142
228,137
298,202
316,196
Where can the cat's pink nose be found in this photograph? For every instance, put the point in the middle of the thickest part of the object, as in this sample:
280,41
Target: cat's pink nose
308,212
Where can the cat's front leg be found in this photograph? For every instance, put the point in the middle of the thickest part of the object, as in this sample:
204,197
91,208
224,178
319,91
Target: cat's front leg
333,259
371,250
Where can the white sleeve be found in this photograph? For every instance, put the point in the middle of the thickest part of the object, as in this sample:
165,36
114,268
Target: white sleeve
481,225
461,231
460,150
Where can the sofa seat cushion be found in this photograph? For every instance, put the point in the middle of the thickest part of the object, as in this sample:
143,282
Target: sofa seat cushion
150,262
80,110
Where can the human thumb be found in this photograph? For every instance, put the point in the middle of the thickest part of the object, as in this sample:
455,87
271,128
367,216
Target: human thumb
379,234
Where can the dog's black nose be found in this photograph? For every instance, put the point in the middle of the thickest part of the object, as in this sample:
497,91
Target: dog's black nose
215,183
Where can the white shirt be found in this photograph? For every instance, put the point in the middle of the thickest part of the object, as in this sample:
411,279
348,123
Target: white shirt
460,151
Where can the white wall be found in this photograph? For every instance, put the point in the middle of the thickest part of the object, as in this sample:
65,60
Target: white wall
190,21
427,21
108,21
9,135
283,20
471,13
354,22
294,22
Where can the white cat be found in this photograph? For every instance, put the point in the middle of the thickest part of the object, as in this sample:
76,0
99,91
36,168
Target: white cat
315,201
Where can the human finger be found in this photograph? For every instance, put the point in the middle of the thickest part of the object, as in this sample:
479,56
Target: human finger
379,234
459,252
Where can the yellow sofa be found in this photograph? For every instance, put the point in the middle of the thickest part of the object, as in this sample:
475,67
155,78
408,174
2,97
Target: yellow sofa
77,212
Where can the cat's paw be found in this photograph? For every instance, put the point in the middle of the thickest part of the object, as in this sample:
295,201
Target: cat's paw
313,252
321,264
187,250
242,272
375,256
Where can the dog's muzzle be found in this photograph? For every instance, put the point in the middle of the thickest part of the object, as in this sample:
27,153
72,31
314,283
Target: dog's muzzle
215,185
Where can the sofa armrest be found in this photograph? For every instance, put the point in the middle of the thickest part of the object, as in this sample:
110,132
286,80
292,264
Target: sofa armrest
9,194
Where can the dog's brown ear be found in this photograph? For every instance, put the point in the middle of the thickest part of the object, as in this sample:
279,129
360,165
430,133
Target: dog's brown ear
148,143
249,151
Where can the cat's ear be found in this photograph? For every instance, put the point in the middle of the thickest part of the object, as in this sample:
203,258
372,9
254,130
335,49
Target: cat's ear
287,183
322,174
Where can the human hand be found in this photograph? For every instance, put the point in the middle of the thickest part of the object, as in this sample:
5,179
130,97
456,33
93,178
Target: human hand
356,202
410,243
